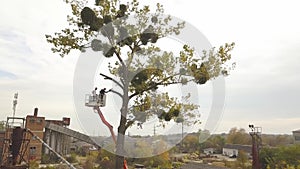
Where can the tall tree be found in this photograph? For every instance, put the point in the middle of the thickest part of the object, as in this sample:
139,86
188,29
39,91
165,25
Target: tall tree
238,136
141,66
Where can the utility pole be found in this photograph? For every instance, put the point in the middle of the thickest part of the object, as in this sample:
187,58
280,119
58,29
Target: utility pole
155,129
180,119
182,136
255,134
15,102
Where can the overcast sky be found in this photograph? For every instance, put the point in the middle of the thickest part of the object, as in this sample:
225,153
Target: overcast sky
263,89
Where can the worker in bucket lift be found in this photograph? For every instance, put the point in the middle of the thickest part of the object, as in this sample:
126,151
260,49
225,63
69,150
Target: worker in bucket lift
94,93
102,92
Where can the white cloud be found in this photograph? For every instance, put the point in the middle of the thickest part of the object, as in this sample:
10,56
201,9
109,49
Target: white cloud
265,82
43,79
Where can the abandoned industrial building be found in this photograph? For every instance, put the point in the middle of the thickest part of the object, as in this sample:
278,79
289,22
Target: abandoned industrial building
26,139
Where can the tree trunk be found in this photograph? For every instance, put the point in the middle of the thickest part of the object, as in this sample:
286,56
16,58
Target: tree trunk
120,153
120,143
120,146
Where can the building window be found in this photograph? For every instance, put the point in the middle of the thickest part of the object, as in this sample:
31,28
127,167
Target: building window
297,138
32,150
31,120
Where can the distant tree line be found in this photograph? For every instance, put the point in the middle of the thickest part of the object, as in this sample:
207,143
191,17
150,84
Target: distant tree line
193,141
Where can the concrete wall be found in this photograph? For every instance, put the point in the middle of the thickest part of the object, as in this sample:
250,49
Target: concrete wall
57,141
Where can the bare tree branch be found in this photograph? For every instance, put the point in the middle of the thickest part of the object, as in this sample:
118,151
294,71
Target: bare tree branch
119,94
109,78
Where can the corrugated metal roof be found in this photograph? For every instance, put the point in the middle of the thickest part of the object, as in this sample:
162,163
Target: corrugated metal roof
296,131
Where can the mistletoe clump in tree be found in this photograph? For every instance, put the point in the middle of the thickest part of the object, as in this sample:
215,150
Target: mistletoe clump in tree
141,66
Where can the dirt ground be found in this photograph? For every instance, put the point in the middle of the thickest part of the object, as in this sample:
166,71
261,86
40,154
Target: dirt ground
200,166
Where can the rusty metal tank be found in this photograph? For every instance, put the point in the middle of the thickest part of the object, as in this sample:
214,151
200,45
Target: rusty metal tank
17,139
